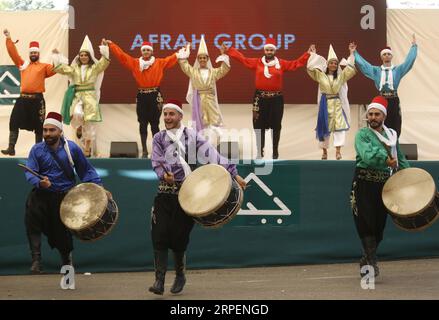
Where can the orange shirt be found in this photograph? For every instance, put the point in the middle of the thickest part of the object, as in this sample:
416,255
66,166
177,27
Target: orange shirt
32,77
149,78
275,83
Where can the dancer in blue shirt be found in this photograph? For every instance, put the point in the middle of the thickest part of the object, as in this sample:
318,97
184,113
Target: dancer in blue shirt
57,160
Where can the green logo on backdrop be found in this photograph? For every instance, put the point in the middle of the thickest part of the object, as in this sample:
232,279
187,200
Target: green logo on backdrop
270,199
9,84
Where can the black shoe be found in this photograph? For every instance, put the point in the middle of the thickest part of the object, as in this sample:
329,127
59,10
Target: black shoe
67,259
363,262
158,287
160,266
376,269
9,151
275,155
35,250
144,155
178,285
370,248
180,267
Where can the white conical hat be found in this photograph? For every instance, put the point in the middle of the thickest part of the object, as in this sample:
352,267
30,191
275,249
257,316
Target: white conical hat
202,48
331,54
87,46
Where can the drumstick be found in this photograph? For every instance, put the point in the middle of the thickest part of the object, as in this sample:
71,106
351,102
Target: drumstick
164,169
389,154
31,171
388,150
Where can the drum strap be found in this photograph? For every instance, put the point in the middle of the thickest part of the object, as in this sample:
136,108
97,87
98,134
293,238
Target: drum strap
181,148
70,174
186,154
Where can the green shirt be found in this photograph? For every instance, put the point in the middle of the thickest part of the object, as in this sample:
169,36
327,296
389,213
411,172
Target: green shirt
372,154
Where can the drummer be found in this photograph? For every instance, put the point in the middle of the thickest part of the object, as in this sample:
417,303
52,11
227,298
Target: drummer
378,155
55,160
175,153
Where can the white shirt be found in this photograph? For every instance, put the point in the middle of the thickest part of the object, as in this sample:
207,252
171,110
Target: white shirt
83,71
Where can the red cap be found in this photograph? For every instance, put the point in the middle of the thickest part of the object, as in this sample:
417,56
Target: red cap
386,50
176,102
270,41
34,46
380,103
147,44
55,119
54,115
380,100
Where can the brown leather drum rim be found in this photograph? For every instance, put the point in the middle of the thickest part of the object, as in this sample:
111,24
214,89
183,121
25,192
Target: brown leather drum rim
108,231
90,224
417,212
420,228
218,206
226,220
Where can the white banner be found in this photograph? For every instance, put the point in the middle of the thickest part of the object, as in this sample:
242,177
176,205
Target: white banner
49,29
418,91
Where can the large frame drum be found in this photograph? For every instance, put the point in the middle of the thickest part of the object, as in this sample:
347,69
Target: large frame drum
411,198
88,213
210,196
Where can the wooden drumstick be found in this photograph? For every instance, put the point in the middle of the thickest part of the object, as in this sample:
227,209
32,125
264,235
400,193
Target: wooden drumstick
31,171
164,169
389,154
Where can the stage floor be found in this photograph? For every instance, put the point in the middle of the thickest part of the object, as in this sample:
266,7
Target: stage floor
409,279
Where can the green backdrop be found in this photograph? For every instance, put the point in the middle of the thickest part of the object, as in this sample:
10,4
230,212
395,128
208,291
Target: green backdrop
9,84
303,216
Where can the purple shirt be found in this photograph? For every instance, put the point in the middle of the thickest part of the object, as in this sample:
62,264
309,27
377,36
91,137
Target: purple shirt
198,151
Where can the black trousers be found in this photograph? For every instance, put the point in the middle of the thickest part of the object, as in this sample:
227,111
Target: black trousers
369,212
28,114
270,111
42,216
170,225
267,114
149,109
394,118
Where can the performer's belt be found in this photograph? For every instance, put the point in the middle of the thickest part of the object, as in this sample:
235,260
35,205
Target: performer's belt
332,96
79,89
389,94
268,94
208,91
148,90
372,175
165,187
31,95
47,191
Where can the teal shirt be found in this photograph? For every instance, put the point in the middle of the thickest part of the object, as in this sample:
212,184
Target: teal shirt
372,154
374,72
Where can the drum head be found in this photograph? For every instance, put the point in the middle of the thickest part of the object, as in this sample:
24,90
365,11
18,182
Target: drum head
408,192
83,206
205,190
